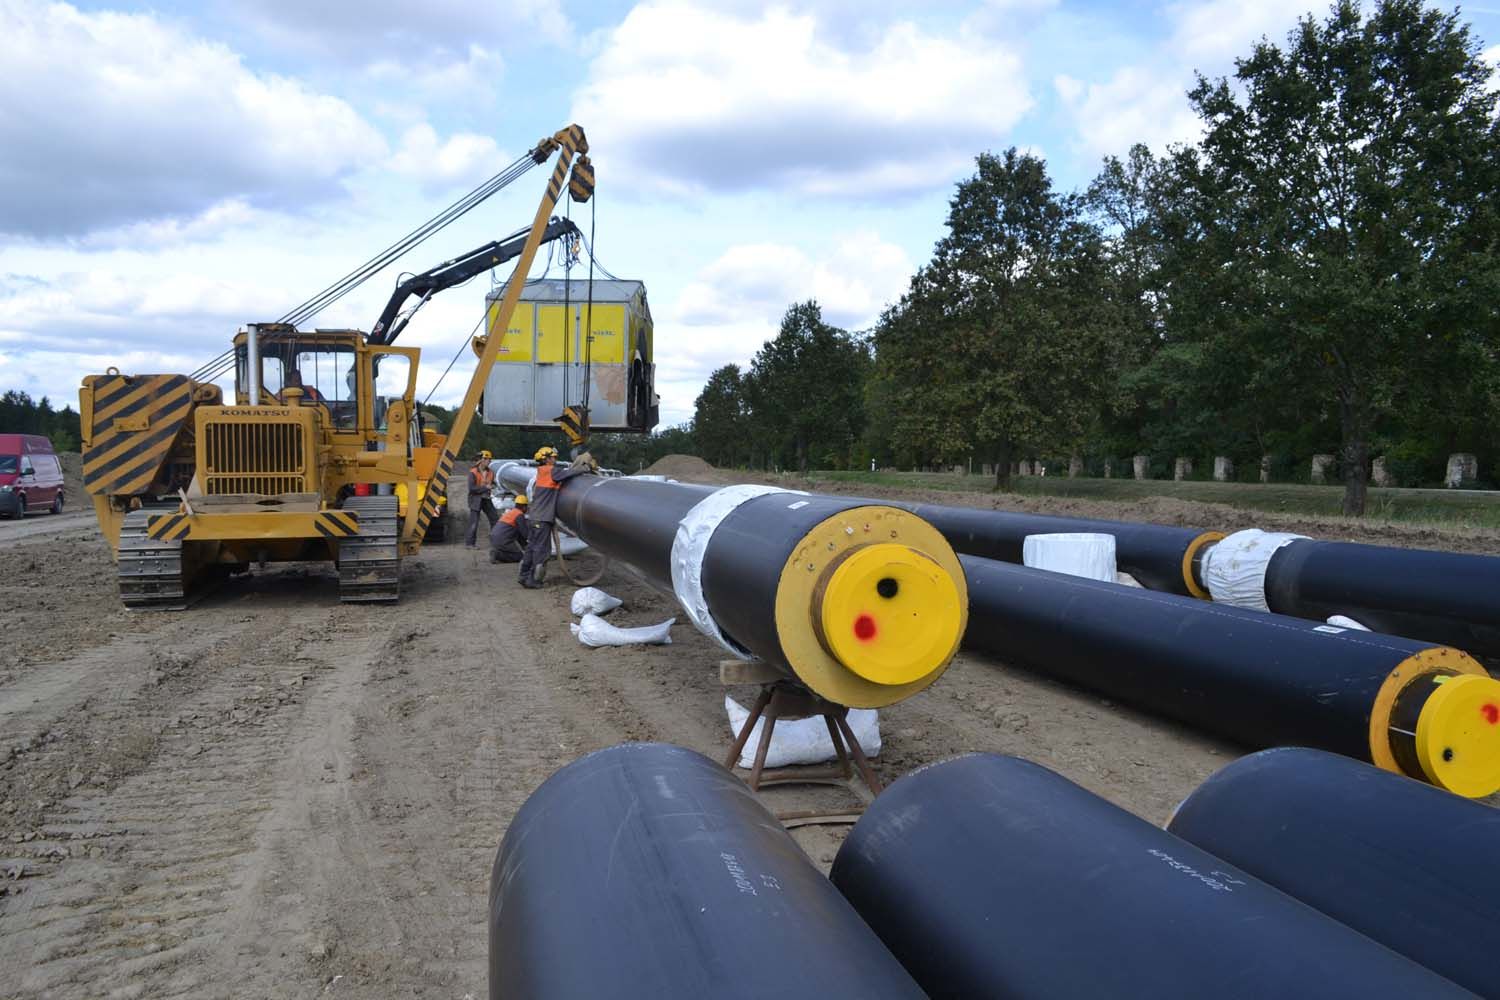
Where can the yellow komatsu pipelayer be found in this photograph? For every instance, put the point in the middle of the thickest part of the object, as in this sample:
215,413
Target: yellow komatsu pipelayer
310,461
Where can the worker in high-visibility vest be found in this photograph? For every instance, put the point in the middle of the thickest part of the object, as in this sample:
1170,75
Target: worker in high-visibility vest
543,510
508,536
481,485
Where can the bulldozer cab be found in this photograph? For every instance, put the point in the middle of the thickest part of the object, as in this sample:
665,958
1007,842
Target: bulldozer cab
351,384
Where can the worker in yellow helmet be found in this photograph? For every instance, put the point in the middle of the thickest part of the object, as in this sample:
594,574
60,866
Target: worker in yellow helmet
481,485
543,511
508,536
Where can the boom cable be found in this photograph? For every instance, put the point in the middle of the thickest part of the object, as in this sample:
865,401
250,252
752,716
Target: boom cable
222,364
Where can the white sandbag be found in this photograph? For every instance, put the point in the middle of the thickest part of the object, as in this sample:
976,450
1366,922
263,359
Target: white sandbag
570,545
595,631
802,741
593,601
1344,621
1091,556
1126,580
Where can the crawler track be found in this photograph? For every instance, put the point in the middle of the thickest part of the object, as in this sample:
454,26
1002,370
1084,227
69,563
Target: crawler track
370,563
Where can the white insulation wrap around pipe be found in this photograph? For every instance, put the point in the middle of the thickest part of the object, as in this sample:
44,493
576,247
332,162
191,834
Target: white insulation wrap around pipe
691,542
1234,569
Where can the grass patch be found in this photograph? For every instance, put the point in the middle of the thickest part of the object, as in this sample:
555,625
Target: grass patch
1450,508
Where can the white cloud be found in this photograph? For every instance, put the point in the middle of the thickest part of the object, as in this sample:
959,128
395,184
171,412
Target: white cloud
1210,34
1491,58
464,157
759,280
734,304
1135,105
212,223
425,78
114,119
1146,101
688,99
360,32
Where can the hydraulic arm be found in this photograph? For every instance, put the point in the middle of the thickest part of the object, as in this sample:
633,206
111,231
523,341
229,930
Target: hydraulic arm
455,272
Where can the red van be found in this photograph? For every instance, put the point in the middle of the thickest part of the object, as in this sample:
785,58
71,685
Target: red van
31,477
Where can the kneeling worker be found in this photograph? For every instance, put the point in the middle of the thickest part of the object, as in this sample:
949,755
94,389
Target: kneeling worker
543,510
508,536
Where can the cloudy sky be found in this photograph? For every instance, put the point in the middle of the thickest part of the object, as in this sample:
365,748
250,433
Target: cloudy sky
176,170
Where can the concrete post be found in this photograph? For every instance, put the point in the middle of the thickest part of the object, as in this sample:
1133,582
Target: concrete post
1182,469
1321,466
1463,469
1265,468
1142,466
1223,468
1075,467
1379,474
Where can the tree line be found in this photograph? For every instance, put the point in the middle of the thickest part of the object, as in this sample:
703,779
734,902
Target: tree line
1317,274
20,414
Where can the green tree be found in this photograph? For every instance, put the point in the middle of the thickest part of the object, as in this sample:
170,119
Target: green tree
1001,342
20,414
805,390
721,419
1348,190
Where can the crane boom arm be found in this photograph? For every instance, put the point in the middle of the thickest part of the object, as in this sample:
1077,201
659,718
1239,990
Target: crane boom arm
456,272
568,143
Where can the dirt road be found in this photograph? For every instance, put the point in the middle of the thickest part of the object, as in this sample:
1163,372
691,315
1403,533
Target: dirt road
274,795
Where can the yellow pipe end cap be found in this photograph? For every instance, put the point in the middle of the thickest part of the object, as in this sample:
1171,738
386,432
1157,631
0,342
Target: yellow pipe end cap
1458,736
890,614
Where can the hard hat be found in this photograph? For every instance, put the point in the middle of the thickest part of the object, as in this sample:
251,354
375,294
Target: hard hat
521,500
486,455
545,451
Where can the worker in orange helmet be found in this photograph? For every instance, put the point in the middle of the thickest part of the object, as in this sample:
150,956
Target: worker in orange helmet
481,485
543,511
508,536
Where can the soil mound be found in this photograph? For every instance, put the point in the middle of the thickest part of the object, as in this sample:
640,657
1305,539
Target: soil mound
680,467
72,467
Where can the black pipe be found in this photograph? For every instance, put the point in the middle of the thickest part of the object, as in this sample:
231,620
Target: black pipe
862,603
1160,557
647,871
1445,597
991,876
1256,678
1413,867
1449,598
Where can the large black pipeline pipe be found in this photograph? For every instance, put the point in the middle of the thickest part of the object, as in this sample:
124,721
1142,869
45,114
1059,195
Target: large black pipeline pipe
863,603
1260,679
1442,597
648,871
1414,868
1445,597
1158,556
992,876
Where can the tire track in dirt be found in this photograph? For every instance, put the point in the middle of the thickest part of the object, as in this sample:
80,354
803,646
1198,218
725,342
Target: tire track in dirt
454,723
145,864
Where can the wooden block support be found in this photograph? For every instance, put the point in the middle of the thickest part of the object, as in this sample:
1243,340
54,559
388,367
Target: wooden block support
748,672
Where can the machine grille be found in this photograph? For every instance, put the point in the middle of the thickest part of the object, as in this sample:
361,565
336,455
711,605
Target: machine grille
266,458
